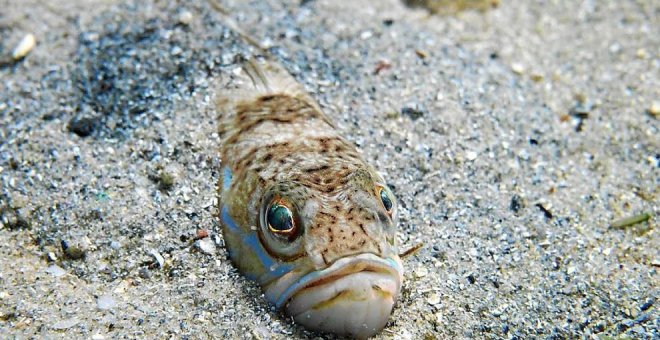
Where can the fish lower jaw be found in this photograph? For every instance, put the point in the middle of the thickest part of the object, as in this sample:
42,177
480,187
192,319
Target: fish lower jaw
356,305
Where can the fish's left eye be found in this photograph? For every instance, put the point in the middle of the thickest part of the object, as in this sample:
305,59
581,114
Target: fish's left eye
280,219
385,199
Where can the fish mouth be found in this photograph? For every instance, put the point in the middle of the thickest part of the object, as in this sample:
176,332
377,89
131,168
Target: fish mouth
354,296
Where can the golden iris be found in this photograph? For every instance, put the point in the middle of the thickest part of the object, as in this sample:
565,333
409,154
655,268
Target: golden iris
279,218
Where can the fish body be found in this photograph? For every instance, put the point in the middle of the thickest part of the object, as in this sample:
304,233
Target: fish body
302,213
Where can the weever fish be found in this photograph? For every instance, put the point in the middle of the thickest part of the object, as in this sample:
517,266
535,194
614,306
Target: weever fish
302,213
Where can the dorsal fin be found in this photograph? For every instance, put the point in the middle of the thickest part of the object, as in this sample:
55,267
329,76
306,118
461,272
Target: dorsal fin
268,77
259,78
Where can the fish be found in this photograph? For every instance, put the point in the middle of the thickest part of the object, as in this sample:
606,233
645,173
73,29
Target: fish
302,213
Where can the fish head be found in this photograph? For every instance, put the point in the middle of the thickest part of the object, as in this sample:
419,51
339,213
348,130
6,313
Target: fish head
328,258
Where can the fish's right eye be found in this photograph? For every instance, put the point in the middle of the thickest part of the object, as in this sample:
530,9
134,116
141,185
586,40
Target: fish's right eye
281,227
280,219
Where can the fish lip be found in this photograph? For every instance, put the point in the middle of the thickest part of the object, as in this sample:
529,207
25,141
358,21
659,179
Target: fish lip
341,268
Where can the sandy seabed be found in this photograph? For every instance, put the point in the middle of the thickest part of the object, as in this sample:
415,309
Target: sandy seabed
513,139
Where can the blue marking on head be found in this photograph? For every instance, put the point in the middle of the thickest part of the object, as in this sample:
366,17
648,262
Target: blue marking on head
273,269
394,264
226,179
228,221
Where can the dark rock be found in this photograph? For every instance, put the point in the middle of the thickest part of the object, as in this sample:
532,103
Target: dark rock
166,181
517,203
547,213
413,111
646,305
83,127
599,327
13,219
144,273
72,252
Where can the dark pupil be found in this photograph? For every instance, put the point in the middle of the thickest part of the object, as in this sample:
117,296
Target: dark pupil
279,218
387,202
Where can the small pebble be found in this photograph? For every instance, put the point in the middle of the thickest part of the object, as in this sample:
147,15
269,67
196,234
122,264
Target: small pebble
545,210
414,111
158,257
24,47
518,68
176,50
582,109
536,77
55,270
166,181
185,18
201,233
641,53
421,272
655,108
219,241
433,299
646,305
421,54
438,318
12,219
71,251
144,273
630,221
517,203
471,155
206,246
66,324
639,330
505,328
105,302
642,318
83,127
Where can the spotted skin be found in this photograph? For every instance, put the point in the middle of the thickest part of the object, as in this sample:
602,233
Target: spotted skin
276,143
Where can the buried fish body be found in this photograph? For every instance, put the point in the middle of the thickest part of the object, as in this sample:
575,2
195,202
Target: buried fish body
302,213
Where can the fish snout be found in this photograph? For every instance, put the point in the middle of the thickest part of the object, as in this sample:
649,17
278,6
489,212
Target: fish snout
354,297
